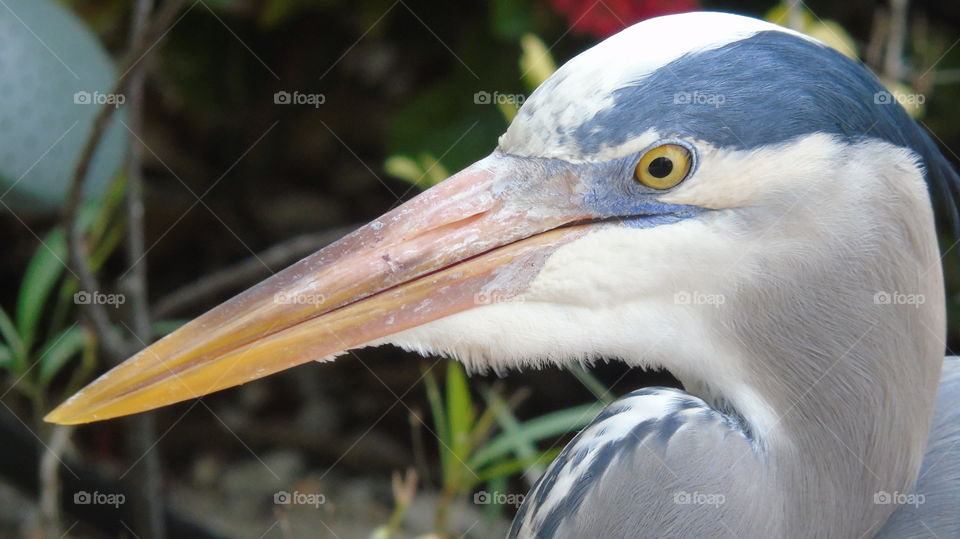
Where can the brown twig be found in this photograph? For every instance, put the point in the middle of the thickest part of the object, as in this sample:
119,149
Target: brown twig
141,44
150,509
893,66
50,463
242,274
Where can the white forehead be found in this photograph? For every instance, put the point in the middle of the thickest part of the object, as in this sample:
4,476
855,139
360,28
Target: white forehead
585,85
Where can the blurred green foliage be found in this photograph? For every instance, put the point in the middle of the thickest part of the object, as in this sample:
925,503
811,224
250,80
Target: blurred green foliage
490,446
43,336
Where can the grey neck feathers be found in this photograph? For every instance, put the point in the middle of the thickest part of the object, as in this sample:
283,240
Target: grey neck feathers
843,326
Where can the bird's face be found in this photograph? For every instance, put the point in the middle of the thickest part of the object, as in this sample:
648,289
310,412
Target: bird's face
615,219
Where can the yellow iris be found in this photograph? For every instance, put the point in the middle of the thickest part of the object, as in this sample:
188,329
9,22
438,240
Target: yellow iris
663,166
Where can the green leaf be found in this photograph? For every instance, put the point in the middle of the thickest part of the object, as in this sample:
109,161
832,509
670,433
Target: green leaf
6,357
511,19
403,167
545,426
459,409
510,467
446,121
536,62
433,170
439,420
43,272
523,447
592,383
107,244
460,417
64,346
423,172
12,338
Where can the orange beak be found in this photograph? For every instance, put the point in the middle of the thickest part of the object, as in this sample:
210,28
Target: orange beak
432,257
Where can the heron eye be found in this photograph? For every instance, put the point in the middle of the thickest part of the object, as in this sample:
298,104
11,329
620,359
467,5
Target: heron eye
663,167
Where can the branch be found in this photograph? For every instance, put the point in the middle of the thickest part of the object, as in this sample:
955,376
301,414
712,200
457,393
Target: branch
893,66
49,479
141,44
150,504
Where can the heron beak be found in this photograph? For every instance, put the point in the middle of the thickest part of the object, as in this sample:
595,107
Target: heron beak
445,251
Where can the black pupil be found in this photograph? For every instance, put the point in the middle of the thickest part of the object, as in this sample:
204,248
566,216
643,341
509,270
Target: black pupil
660,167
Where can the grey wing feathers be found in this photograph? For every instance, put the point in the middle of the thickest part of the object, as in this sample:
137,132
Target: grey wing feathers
663,463
657,463
933,508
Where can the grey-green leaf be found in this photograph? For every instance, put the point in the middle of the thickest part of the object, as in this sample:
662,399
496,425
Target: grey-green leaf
6,357
459,409
42,275
545,426
9,333
64,346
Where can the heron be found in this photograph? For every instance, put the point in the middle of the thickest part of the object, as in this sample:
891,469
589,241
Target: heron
705,193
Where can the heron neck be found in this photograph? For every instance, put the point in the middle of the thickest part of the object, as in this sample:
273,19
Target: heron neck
838,349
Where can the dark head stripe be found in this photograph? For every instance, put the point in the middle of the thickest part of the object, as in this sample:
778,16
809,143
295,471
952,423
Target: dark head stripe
766,89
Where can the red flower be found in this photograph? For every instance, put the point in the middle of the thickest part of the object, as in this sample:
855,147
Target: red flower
602,18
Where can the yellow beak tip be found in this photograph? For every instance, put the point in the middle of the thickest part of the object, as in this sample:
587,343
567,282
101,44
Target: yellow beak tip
57,417
63,415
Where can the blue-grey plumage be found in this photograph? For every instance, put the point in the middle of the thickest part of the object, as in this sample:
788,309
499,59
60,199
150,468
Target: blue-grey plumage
932,509
687,469
690,470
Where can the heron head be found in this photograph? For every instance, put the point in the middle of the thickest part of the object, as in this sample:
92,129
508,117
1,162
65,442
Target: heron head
692,181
